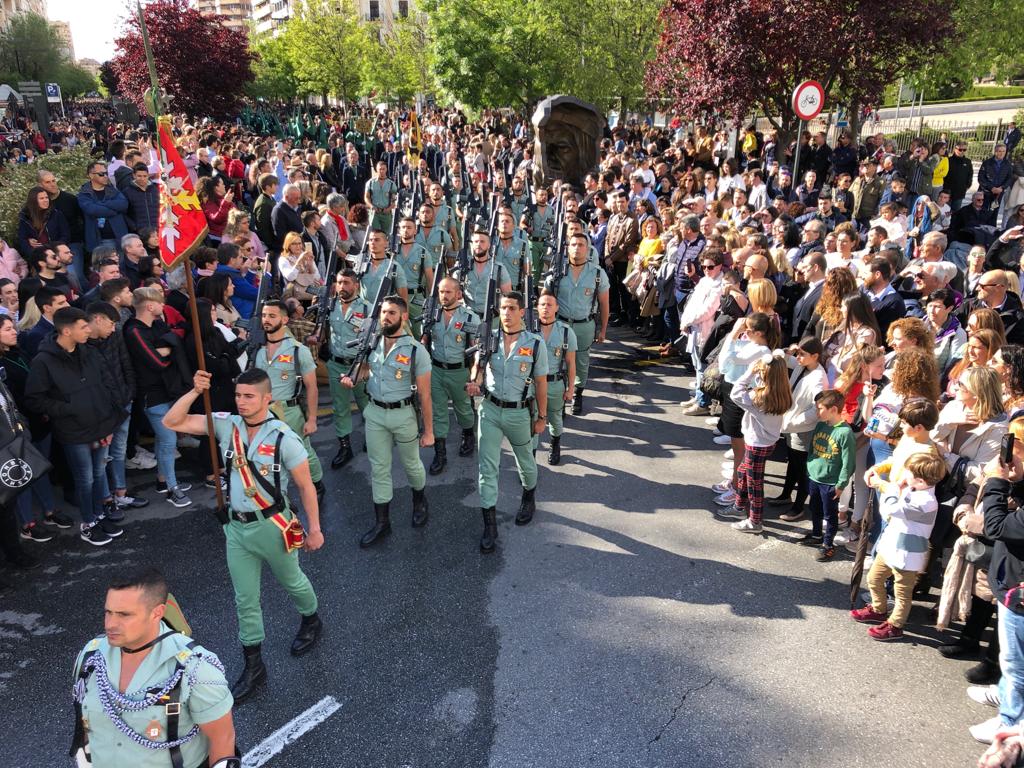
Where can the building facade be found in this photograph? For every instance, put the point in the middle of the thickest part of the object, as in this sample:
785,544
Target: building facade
9,8
268,15
62,31
235,13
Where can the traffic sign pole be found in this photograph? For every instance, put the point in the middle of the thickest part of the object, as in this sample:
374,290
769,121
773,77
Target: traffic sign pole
808,100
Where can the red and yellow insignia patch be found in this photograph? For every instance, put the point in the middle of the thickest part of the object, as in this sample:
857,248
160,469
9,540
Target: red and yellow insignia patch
525,351
402,359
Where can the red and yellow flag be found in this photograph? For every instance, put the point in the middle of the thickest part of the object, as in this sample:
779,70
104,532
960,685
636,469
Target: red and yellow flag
415,138
182,221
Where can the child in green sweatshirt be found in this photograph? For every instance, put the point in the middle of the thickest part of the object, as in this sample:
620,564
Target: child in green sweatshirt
830,466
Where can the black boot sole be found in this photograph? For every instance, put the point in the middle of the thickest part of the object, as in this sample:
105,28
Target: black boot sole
554,460
335,464
524,519
488,550
308,645
366,543
259,683
435,470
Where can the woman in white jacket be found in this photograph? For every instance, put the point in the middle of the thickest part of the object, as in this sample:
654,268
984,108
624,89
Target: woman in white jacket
807,378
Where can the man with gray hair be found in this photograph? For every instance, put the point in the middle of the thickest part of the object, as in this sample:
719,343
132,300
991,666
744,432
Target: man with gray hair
133,250
334,226
286,215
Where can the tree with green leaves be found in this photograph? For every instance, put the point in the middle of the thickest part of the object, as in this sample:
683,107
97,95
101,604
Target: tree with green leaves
29,50
327,44
399,61
274,77
75,80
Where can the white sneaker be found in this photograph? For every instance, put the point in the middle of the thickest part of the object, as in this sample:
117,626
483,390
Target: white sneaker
984,694
716,432
746,526
712,421
720,488
147,454
187,441
729,455
722,440
986,732
139,462
726,499
852,539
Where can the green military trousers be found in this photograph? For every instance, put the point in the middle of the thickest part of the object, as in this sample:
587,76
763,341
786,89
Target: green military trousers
383,222
556,393
293,418
516,425
385,429
341,398
416,314
445,386
249,546
537,251
585,331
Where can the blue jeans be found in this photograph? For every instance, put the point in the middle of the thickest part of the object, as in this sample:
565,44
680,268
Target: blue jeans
40,490
671,316
165,444
88,466
824,507
116,476
1011,665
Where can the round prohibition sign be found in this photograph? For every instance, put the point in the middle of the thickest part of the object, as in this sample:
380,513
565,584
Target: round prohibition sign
808,99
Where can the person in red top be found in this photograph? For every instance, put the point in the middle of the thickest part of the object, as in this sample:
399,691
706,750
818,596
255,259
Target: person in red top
217,202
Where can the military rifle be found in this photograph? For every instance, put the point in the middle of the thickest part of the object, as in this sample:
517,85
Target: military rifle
432,308
361,265
324,302
532,321
369,334
393,235
257,338
463,261
559,263
486,340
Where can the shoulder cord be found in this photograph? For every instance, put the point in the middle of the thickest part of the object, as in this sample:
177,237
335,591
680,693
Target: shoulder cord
565,351
114,702
533,364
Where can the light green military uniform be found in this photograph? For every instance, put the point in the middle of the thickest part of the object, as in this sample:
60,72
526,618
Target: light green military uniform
509,378
435,242
449,340
250,545
392,380
515,257
519,205
560,342
593,258
382,195
445,218
415,260
291,362
209,699
344,326
578,306
541,223
370,282
474,284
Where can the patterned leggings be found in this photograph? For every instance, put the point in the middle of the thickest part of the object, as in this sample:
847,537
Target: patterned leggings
750,481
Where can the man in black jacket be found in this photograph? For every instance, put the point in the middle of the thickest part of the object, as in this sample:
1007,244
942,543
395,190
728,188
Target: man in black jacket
812,267
960,176
286,216
994,293
67,203
1007,250
49,301
70,385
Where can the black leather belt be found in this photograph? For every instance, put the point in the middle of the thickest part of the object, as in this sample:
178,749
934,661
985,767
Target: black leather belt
289,403
342,360
246,517
447,366
555,376
392,406
415,291
569,320
508,403
538,239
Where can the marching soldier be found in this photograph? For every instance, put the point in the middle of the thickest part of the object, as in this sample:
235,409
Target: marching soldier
396,374
448,341
512,248
474,282
381,193
561,345
418,266
348,313
260,452
140,652
513,385
432,237
370,281
292,372
582,293
538,226
444,216
574,226
519,200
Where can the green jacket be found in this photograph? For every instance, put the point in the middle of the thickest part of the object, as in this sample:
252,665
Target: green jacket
833,454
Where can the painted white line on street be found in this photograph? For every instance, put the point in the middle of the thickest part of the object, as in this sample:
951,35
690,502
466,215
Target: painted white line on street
290,732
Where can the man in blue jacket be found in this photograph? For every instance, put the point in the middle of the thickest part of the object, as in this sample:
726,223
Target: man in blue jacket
229,262
995,175
103,207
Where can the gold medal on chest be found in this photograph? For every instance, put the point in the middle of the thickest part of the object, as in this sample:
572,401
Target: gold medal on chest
284,377
458,338
398,374
264,470
523,367
558,352
153,730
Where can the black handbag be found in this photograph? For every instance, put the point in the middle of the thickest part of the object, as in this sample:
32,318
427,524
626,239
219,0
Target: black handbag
21,463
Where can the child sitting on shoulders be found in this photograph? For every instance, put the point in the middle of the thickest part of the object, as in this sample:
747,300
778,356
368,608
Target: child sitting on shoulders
909,508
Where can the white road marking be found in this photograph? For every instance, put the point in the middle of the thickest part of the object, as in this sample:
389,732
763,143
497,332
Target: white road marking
290,732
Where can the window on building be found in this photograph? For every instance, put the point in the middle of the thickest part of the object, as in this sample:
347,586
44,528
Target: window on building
374,10
403,8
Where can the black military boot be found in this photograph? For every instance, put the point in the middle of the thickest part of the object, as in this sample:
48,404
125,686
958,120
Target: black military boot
309,630
253,676
555,452
420,508
344,454
381,528
468,442
526,507
577,402
440,457
490,535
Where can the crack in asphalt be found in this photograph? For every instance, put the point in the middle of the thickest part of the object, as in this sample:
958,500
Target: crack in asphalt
675,710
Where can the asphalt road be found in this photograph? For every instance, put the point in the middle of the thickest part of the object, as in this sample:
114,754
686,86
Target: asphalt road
628,626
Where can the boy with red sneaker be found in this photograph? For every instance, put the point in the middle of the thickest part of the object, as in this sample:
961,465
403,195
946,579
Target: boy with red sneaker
909,509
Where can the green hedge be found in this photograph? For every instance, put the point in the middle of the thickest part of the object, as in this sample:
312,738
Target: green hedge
17,180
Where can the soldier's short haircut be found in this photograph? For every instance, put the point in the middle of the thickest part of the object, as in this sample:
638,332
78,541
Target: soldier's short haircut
515,296
397,300
149,580
276,304
347,272
66,317
255,377
548,292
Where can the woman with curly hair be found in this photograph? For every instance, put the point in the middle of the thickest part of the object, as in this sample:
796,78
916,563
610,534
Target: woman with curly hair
910,332
827,321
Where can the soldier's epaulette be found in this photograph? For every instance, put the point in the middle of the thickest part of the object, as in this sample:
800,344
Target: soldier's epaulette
94,644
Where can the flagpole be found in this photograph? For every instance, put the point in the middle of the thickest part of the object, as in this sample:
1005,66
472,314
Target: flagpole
154,104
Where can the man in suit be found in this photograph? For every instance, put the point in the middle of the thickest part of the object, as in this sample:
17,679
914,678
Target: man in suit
285,217
812,268
263,209
353,177
619,247
887,303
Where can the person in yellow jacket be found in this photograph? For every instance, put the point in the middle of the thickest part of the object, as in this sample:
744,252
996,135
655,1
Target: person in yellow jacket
939,174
